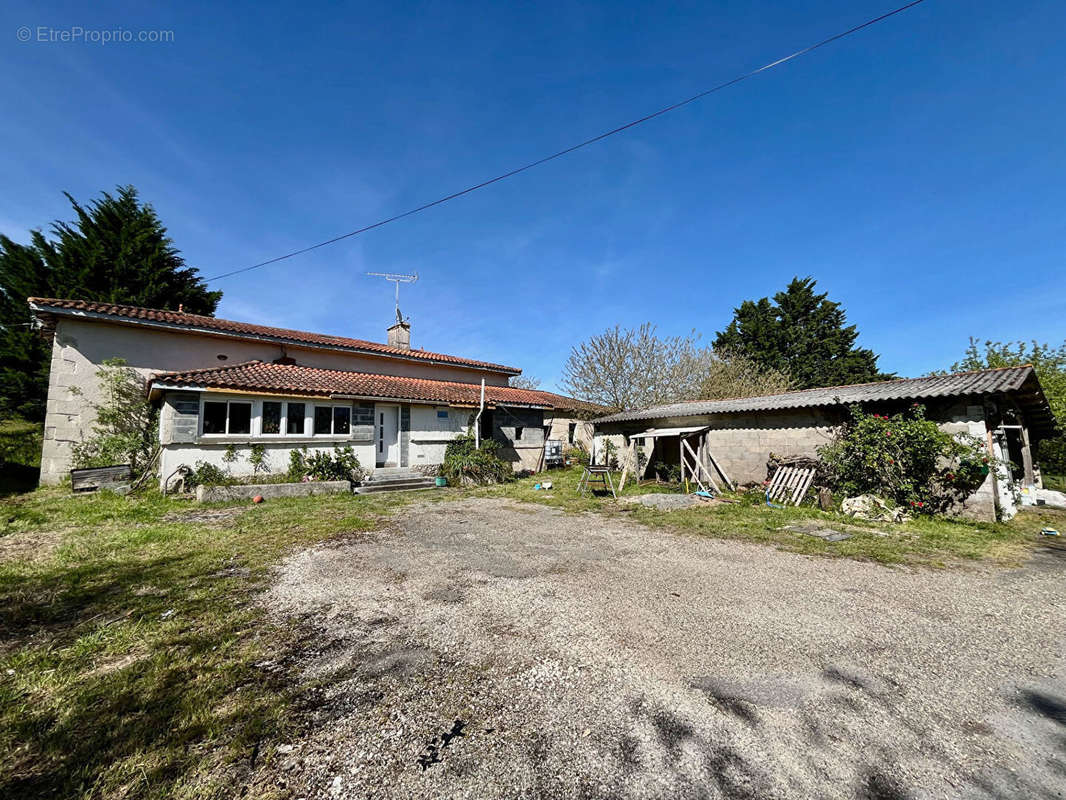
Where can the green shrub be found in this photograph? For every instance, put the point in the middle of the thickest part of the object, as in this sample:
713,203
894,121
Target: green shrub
904,458
342,465
578,454
257,458
205,474
464,462
1051,455
297,464
126,427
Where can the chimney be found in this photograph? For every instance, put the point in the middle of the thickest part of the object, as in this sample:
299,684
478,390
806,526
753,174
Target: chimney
400,335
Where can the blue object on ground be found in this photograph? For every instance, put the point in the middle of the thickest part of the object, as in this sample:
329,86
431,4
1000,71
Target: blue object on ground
772,505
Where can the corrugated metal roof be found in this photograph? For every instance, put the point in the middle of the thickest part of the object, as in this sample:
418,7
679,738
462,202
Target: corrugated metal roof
1019,380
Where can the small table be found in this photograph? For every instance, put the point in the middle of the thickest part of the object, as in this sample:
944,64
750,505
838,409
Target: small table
600,475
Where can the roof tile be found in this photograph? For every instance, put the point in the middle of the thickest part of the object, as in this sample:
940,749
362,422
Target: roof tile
258,376
193,322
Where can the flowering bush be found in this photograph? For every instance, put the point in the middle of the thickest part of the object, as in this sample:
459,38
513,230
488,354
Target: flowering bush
905,458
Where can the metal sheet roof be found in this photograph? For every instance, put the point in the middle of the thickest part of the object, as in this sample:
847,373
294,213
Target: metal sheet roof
1021,382
655,433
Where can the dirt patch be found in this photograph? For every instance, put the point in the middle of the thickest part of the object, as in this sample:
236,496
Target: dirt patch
29,545
548,655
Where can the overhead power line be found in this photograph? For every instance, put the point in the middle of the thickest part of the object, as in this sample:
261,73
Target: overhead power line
579,145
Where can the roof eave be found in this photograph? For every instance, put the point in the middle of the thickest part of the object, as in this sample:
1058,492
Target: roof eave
212,332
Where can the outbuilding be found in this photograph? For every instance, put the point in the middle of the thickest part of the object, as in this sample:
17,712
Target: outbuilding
1006,408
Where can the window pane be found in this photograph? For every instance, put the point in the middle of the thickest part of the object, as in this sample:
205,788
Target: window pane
214,417
240,417
323,419
271,417
342,420
295,421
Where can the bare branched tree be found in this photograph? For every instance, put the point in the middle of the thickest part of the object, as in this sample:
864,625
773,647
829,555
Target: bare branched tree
626,368
525,382
623,368
734,375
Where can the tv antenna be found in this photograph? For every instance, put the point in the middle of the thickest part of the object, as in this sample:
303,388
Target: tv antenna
397,278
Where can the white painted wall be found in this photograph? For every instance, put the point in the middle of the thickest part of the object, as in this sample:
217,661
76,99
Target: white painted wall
430,433
81,346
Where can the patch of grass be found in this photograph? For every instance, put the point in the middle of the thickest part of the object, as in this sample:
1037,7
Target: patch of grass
130,638
1056,482
928,541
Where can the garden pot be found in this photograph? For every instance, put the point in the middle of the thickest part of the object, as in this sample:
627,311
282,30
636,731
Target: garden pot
442,481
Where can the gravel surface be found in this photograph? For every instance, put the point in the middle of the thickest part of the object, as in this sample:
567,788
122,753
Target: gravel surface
481,649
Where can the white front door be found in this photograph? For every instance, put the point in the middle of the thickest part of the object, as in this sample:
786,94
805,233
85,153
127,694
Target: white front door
388,430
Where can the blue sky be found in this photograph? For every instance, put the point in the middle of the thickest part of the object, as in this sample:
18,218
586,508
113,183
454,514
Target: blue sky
917,170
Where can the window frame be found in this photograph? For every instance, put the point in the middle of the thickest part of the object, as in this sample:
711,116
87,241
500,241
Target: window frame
252,416
283,422
255,423
332,420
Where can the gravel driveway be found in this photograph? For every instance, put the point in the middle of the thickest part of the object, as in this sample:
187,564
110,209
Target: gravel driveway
481,649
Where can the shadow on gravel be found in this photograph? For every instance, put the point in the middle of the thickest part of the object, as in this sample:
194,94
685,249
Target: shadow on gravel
1046,705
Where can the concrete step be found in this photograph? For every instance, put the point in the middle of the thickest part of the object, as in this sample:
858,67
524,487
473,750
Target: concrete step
408,485
391,473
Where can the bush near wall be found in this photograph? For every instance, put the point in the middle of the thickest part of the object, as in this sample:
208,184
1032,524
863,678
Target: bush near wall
904,458
466,463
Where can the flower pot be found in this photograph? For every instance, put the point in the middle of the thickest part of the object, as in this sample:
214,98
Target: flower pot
442,481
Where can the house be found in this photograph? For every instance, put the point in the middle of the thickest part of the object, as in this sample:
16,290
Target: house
1005,408
222,384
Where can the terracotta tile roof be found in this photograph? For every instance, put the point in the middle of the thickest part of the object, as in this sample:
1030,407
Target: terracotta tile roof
197,322
1021,382
259,376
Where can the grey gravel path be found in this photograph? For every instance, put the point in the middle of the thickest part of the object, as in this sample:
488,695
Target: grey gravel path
484,649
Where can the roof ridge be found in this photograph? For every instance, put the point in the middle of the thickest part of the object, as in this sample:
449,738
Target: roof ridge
838,386
232,326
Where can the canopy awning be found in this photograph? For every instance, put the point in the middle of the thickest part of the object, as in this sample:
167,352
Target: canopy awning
656,433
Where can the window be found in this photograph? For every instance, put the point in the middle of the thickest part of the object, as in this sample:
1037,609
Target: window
571,431
294,420
232,417
271,417
323,420
240,418
518,433
342,419
336,420
442,413
214,417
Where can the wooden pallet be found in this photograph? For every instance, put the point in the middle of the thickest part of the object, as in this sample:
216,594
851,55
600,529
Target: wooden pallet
116,478
790,484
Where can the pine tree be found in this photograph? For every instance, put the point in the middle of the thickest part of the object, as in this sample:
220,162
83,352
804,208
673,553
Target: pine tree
116,250
803,335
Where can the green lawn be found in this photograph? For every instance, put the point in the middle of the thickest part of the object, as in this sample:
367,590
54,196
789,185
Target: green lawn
130,637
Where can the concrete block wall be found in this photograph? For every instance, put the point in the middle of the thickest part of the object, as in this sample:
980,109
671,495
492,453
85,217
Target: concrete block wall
742,443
